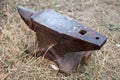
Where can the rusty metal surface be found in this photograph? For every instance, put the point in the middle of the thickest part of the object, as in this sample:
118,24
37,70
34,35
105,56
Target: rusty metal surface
73,41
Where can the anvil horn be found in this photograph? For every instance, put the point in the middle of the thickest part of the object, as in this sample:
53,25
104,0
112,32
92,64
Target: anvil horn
26,14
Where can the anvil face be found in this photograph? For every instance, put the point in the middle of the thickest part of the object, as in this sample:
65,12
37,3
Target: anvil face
69,35
64,25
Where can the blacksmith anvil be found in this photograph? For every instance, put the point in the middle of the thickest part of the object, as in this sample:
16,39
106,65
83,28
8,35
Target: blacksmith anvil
71,41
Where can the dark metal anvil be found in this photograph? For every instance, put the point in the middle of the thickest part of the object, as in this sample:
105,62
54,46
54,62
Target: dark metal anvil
61,38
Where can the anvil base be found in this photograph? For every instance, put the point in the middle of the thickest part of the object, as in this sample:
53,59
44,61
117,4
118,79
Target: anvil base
66,63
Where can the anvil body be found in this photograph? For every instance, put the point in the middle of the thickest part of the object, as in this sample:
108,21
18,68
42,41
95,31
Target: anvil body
72,40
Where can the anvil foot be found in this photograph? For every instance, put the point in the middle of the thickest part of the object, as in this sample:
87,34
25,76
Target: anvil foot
67,63
70,61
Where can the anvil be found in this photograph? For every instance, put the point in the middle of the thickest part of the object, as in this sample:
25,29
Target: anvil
60,38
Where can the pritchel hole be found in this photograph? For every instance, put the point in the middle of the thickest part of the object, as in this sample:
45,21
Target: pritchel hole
83,32
97,38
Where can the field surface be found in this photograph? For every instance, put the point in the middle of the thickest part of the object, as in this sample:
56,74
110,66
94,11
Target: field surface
101,15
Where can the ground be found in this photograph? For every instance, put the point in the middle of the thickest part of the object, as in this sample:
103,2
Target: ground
101,15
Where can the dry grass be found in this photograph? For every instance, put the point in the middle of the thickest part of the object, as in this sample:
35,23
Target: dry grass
102,15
